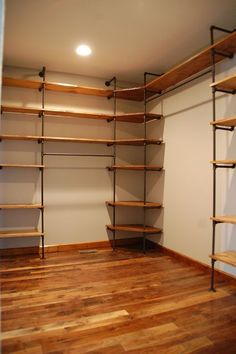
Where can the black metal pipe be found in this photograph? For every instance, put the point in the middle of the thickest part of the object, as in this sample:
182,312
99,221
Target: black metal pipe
114,162
42,74
145,161
232,92
108,82
230,129
213,63
75,154
177,86
212,28
225,166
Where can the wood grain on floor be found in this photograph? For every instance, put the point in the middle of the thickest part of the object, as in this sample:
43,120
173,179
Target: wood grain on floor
113,302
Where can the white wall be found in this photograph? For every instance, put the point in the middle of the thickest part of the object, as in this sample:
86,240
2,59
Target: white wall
188,173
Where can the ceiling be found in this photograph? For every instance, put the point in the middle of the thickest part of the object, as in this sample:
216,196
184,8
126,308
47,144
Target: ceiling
127,37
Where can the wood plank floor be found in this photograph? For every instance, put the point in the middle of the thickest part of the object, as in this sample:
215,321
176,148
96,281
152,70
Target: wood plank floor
121,302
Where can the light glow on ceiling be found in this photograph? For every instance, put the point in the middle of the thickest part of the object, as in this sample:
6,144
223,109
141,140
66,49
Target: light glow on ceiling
83,50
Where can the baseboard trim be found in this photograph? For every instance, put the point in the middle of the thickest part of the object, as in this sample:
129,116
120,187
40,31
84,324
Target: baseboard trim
191,261
68,247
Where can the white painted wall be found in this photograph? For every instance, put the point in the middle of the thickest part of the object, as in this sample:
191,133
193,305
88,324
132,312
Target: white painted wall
188,173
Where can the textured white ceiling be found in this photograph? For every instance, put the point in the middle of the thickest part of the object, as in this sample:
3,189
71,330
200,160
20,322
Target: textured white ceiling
128,37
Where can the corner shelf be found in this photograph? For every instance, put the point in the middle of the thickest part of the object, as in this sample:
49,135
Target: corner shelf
228,257
139,204
21,206
135,228
20,233
126,117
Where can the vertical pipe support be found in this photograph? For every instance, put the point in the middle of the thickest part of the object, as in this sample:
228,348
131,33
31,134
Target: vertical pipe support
145,160
114,163
42,74
214,158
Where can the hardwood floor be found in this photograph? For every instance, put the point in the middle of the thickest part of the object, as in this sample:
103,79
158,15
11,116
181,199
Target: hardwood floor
105,302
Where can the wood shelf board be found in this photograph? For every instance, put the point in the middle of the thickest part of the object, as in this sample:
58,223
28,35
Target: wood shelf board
21,206
20,233
140,141
54,112
127,117
137,117
223,162
82,90
227,219
194,65
14,82
56,138
13,165
24,110
20,137
134,93
134,228
225,122
140,204
229,83
136,167
228,257
56,86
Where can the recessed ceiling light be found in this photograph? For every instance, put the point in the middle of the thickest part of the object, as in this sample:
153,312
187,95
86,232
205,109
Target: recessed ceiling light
84,50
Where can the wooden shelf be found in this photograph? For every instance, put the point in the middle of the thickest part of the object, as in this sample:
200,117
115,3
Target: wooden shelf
56,138
223,162
134,93
56,86
228,257
227,219
54,112
194,65
139,204
137,117
127,117
134,228
136,167
225,122
139,142
21,206
20,233
13,165
20,137
229,83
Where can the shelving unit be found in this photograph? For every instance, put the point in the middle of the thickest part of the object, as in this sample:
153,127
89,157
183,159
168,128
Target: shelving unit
196,66
27,233
227,85
144,117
